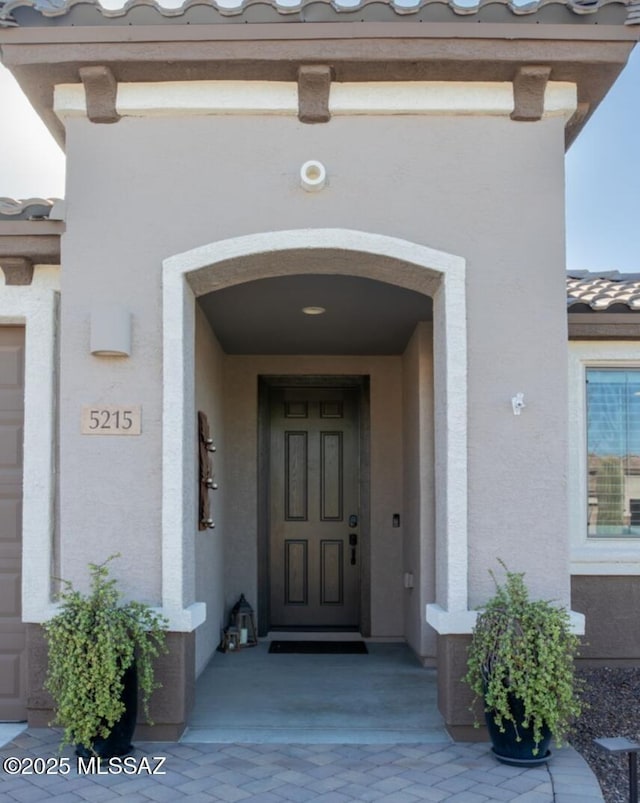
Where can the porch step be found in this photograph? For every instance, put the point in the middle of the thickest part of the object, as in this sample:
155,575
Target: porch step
252,696
287,735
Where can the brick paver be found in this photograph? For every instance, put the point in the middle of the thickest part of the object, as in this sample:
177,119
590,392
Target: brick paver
276,773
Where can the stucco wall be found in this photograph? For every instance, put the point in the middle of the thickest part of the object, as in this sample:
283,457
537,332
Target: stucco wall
210,543
610,604
419,503
241,404
109,488
486,188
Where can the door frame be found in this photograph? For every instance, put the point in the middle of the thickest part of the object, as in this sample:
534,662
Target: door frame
265,383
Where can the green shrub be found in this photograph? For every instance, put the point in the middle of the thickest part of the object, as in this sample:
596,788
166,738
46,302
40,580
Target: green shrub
92,640
524,648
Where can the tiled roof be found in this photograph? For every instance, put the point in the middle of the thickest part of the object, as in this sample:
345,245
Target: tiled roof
601,291
90,12
30,209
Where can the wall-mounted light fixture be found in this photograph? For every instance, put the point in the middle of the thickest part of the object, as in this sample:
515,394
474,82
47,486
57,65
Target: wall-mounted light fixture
517,402
110,331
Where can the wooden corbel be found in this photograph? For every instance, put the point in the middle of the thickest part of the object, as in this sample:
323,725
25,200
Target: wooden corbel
314,84
101,89
17,270
529,85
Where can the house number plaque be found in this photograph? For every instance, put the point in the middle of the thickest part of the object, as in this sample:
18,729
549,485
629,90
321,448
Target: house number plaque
103,419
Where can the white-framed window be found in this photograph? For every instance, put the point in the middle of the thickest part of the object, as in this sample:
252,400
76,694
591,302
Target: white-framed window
613,452
604,457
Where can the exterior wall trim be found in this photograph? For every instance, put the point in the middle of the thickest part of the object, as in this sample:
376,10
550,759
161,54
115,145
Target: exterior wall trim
604,325
213,266
36,307
559,98
462,622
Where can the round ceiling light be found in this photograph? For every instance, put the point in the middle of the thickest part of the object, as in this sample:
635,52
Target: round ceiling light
313,310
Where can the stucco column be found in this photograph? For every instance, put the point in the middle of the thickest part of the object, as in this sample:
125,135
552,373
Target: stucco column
178,456
450,380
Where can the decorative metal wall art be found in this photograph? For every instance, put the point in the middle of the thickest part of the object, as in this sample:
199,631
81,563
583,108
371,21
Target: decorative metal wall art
207,483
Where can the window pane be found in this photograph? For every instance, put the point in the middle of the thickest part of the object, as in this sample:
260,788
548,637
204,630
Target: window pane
613,445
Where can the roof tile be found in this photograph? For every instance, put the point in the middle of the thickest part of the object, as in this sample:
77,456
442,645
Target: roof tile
30,209
304,10
601,291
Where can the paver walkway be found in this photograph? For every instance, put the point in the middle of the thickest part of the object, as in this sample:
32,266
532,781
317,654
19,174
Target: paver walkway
270,773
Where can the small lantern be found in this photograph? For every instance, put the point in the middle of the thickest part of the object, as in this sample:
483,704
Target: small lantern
243,619
230,640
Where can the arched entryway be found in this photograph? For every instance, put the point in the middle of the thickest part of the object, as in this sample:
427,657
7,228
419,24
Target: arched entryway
325,252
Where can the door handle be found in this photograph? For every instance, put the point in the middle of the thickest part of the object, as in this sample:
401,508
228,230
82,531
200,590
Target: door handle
353,542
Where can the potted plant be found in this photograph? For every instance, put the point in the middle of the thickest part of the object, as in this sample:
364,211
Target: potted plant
100,651
521,665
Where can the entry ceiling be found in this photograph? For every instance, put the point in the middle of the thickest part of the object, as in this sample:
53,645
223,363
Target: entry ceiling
362,316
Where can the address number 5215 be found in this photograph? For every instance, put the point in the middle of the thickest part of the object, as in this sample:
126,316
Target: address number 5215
111,420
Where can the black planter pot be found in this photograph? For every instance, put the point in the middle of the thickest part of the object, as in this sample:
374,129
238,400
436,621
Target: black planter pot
507,749
118,743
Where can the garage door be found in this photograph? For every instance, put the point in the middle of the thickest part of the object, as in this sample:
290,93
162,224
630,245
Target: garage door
12,631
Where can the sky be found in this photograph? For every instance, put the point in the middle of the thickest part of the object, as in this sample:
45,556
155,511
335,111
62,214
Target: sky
602,171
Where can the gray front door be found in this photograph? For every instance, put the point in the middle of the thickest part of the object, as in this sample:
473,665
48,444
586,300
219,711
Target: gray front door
314,507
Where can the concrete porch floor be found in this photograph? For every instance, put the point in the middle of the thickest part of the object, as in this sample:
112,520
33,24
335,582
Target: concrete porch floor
360,727
255,697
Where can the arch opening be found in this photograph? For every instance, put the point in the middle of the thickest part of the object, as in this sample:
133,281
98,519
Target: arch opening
332,256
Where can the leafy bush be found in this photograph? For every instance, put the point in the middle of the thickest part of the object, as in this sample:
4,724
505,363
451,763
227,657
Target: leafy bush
92,641
524,649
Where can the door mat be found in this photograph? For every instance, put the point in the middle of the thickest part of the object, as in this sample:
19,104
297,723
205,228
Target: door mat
320,647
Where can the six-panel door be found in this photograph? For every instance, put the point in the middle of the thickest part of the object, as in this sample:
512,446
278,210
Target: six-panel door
314,482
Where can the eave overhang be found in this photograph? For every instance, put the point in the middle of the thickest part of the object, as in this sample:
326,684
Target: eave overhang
39,242
30,232
374,42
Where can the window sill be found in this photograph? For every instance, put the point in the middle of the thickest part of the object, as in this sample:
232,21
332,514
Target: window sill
607,556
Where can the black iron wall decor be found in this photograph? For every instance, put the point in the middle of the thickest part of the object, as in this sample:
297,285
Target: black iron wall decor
207,483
